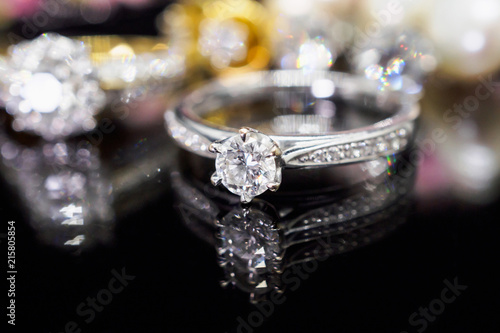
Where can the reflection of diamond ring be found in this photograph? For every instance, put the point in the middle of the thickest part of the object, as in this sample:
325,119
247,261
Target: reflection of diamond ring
258,242
53,85
312,119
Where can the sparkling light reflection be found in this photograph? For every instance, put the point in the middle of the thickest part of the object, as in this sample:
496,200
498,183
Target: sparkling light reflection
43,92
323,88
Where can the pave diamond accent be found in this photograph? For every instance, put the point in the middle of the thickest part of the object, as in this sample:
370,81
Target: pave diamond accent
247,164
389,143
50,88
187,138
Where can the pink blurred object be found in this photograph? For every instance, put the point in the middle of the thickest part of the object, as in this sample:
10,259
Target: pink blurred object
22,8
19,8
432,179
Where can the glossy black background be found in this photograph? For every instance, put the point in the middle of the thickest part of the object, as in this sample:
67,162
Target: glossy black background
373,289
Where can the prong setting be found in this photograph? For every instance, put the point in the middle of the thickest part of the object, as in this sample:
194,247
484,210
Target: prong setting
214,147
275,151
215,179
273,187
244,131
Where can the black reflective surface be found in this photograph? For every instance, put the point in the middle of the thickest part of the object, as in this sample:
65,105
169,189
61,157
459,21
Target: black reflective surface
170,276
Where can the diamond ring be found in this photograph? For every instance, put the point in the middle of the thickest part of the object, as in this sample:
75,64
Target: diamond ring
310,119
53,86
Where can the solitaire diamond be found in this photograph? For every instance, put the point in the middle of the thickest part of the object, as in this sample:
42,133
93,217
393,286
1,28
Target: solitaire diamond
247,164
50,88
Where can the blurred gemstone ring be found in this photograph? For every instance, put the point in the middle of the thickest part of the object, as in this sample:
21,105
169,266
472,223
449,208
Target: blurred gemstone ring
315,120
53,86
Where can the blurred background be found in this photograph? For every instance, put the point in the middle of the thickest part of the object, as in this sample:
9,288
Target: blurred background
447,51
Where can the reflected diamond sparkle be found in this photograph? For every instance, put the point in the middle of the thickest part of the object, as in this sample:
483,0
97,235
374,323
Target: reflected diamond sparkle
250,250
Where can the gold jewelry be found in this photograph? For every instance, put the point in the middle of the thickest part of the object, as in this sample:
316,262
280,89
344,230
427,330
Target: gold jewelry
221,36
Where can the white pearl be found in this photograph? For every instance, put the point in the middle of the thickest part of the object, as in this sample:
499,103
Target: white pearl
466,35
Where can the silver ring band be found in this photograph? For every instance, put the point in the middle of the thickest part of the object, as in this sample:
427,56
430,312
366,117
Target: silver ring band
388,136
248,162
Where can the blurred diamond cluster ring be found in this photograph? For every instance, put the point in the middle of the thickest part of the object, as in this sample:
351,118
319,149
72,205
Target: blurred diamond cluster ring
296,119
53,86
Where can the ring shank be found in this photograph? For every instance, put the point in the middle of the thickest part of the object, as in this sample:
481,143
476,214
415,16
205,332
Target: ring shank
384,137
